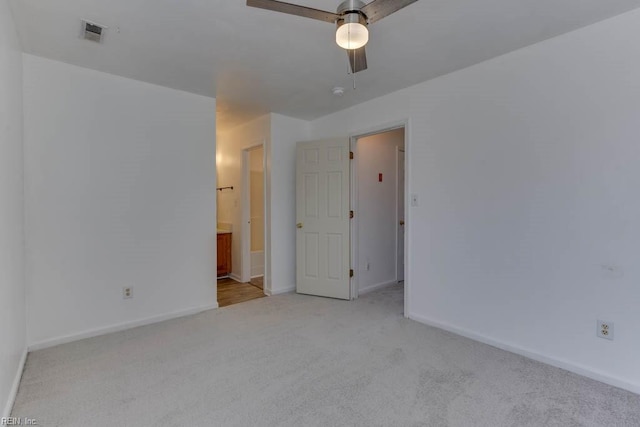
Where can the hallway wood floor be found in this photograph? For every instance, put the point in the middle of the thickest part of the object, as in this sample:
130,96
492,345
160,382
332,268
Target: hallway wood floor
258,282
231,292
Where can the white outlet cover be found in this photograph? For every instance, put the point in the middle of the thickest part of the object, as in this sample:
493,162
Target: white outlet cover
124,292
604,329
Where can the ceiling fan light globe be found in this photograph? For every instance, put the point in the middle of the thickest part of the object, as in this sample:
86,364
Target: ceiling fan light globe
352,35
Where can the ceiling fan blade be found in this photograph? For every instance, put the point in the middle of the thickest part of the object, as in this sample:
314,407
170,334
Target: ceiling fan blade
294,9
378,9
357,59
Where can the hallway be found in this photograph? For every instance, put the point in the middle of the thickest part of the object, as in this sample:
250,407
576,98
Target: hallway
231,292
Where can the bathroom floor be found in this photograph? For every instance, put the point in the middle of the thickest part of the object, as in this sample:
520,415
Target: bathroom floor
231,292
258,282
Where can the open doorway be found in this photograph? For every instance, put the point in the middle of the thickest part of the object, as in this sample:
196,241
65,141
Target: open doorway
378,199
240,220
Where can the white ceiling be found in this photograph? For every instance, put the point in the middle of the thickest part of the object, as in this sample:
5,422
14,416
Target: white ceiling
255,61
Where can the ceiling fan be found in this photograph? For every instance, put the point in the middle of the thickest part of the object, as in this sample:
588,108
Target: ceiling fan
351,18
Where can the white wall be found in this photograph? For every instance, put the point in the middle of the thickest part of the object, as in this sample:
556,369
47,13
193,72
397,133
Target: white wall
257,263
120,191
376,209
281,188
230,145
526,168
12,292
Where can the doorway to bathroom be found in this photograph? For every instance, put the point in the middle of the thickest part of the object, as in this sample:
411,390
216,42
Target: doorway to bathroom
241,211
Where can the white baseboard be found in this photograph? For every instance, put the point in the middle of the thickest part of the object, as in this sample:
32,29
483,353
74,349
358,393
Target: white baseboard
118,327
14,387
257,271
278,291
235,277
549,360
372,288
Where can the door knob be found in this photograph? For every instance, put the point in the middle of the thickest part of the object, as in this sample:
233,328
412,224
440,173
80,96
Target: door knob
299,225
401,222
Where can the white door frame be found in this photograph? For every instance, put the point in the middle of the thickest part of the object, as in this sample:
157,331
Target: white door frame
354,136
245,244
400,154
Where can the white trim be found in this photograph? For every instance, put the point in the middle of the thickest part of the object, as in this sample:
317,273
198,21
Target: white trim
271,292
386,127
531,354
245,226
399,155
118,327
14,387
377,286
408,281
396,252
268,148
234,277
245,217
257,270
353,225
408,149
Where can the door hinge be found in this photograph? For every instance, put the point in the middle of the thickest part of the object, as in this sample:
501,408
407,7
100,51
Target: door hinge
351,214
350,155
351,273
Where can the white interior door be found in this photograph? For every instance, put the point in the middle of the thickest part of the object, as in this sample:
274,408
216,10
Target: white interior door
322,216
400,225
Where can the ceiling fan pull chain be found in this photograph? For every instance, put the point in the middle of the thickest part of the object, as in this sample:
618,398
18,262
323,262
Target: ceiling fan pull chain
353,52
348,64
355,66
354,74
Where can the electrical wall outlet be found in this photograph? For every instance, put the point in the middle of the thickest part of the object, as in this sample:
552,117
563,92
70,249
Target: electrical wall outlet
604,329
127,292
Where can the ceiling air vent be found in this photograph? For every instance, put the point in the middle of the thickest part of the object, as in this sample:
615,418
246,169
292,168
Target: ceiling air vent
92,31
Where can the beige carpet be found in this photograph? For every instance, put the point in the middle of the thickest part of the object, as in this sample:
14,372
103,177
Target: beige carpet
294,360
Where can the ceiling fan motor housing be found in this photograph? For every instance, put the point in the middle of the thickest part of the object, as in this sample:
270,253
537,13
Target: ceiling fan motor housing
350,13
351,18
351,7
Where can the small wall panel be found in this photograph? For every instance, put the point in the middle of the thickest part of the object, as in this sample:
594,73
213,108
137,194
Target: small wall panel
311,194
335,269
311,254
334,194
